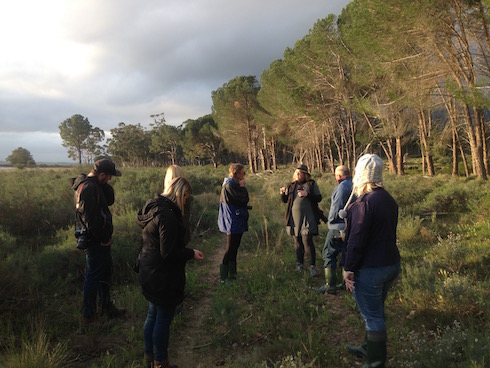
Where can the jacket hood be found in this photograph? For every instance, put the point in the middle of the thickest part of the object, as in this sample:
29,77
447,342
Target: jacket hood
152,207
75,182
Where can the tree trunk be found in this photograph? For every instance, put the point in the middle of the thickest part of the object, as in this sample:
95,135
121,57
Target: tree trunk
399,156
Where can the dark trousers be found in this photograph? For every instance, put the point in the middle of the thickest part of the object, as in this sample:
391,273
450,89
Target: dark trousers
331,249
232,245
97,282
301,249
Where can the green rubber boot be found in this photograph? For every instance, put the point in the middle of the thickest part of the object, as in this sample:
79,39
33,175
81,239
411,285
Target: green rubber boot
223,273
330,281
376,350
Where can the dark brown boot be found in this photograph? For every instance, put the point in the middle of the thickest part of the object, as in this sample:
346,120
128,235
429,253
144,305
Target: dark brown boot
148,360
111,311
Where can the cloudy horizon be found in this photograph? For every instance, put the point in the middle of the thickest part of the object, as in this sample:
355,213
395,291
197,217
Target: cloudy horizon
122,61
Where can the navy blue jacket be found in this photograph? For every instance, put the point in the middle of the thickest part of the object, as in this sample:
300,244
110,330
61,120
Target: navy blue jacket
371,232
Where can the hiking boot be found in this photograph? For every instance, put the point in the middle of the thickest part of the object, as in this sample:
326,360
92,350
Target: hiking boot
164,364
299,267
85,321
148,360
111,311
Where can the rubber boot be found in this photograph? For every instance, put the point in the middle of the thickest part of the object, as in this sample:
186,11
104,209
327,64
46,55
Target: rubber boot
232,268
359,350
376,350
223,273
332,281
341,284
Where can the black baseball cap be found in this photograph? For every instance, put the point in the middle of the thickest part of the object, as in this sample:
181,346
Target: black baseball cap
106,166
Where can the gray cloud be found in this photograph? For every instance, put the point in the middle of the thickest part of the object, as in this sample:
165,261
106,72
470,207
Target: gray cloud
123,60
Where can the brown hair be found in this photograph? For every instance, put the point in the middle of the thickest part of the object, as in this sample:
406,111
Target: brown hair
235,169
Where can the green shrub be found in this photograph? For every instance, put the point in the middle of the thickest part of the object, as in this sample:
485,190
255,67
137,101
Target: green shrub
409,229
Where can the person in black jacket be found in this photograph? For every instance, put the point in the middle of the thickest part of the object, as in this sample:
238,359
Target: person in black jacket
371,259
162,265
302,196
93,229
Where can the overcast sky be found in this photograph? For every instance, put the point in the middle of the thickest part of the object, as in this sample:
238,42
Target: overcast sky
117,61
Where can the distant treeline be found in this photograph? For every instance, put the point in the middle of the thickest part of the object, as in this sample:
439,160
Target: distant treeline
395,77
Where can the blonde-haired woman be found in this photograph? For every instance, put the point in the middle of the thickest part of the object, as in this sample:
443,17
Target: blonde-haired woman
173,171
371,259
162,265
233,218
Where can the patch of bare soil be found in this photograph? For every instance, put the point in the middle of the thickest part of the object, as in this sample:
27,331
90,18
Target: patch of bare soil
191,347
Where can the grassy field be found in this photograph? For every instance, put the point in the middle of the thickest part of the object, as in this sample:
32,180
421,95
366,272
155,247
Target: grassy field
437,312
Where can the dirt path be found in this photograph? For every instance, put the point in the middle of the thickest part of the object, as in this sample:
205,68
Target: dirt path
191,348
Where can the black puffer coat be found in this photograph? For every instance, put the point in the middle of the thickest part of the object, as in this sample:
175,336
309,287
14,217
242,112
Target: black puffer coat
164,255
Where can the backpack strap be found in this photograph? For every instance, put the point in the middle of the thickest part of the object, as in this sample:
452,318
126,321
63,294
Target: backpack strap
79,192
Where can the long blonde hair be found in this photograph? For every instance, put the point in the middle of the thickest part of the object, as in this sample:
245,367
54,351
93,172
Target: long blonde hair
178,191
173,171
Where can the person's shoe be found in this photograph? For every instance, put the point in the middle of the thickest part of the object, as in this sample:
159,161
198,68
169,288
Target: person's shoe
85,323
223,273
149,360
111,311
313,271
164,364
299,267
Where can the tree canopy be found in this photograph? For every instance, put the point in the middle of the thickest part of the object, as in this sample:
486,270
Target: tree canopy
81,139
21,157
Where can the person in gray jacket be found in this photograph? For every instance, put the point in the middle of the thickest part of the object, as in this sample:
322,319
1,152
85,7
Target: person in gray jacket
335,240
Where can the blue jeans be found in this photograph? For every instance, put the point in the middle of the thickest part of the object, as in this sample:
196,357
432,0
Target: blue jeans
97,282
157,330
371,289
331,249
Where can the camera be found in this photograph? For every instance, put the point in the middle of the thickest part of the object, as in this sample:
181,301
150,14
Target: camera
80,232
81,235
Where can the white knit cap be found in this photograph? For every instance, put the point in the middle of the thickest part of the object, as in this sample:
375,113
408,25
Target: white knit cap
369,169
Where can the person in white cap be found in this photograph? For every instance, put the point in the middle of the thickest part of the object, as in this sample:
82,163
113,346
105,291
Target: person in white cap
302,196
371,259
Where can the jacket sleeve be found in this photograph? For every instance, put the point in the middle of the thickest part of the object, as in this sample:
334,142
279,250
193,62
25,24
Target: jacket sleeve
168,229
358,224
94,217
336,205
235,194
314,194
